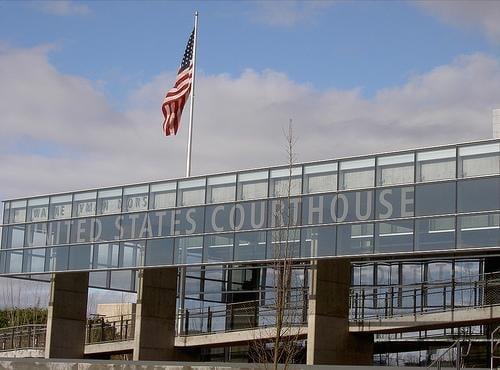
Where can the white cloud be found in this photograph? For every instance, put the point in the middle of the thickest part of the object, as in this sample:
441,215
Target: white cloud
288,13
62,7
484,14
59,133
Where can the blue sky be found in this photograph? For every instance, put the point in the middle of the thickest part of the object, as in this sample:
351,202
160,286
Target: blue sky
358,44
82,84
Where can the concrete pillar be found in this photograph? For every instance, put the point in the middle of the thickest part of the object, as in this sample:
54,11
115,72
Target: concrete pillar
155,315
67,315
328,339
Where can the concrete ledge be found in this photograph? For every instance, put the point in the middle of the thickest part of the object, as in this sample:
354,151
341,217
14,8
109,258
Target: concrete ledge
109,347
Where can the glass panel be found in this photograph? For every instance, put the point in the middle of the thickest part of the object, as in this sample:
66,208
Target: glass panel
252,185
99,279
131,253
14,262
354,239
395,202
57,259
159,252
135,198
357,174
318,241
320,178
395,169
161,223
282,179
60,207
250,215
394,236
479,195
188,250
219,218
109,201
436,165
122,280
189,221
84,204
38,209
355,206
17,211
280,245
435,233
136,225
221,189
435,199
107,228
163,195
106,255
36,235
6,209
58,232
479,231
479,160
191,192
34,260
3,231
250,246
318,209
82,230
218,248
80,257
15,236
283,212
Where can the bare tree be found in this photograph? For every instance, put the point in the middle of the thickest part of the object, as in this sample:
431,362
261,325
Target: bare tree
276,343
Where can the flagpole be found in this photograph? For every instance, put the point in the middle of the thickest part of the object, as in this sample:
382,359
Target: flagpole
191,106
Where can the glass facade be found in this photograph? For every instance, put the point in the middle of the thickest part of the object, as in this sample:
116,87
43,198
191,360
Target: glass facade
439,199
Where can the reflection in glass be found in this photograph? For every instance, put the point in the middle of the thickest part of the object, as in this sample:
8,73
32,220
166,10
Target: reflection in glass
191,192
6,209
394,236
136,225
106,255
34,260
354,239
318,241
250,246
159,252
284,212
58,232
109,201
82,230
131,253
479,195
60,207
282,245
38,209
15,236
479,160
122,280
163,195
36,235
80,257
188,250
435,199
395,169
57,259
252,185
135,198
357,174
285,182
435,233
479,231
221,188
320,178
14,261
107,228
218,248
161,223
17,211
436,165
84,204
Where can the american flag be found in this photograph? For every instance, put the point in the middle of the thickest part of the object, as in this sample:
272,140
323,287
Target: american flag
177,96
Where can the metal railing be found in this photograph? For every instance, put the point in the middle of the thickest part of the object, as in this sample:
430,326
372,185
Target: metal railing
455,355
23,337
110,328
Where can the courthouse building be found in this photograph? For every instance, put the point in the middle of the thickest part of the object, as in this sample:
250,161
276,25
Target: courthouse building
359,230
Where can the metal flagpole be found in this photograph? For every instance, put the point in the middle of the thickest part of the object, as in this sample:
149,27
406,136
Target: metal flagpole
191,107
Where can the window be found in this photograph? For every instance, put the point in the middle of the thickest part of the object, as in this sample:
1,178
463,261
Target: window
38,209
60,207
282,178
221,189
250,246
36,235
318,241
357,174
435,233
84,204
479,195
135,198
34,260
191,192
188,250
6,209
436,165
17,211
252,185
218,248
479,231
395,170
354,239
479,160
109,201
281,245
80,257
320,178
435,199
394,236
159,252
106,255
163,195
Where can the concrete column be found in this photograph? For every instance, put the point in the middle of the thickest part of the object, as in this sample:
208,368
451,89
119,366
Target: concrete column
155,315
67,315
328,339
